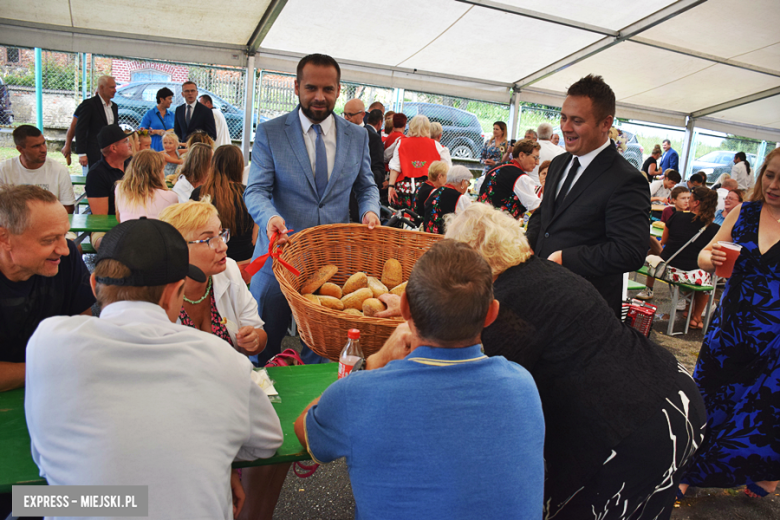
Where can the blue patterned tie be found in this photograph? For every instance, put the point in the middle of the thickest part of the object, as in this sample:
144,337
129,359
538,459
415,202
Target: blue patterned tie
320,162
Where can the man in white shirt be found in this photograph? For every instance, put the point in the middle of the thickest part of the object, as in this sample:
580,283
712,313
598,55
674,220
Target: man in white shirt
34,167
133,398
223,132
661,189
547,150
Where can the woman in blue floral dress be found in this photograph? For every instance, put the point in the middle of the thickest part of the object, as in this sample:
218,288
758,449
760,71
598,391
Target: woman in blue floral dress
494,148
738,371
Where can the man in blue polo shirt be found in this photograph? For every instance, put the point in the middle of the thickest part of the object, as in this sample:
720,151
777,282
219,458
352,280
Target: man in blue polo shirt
432,428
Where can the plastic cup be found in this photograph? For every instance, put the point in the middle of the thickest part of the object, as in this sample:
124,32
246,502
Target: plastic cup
732,253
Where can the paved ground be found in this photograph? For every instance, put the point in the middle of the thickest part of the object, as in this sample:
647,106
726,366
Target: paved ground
328,495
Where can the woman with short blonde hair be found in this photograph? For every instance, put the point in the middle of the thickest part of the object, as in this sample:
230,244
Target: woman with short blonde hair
412,157
447,199
615,404
222,305
142,191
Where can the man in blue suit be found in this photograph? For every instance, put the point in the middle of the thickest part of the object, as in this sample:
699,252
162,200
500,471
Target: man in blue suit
304,166
670,159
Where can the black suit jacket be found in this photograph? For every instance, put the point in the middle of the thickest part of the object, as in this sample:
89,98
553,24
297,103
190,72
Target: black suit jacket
602,225
92,118
377,152
202,119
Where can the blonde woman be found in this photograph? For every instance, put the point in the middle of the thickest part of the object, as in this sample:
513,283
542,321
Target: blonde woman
449,198
142,191
222,305
437,177
650,166
411,159
194,171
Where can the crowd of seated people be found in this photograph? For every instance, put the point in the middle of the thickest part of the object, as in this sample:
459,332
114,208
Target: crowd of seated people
583,408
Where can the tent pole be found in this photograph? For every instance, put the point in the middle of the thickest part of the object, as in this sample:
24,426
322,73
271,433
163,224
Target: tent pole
249,104
514,115
687,146
39,88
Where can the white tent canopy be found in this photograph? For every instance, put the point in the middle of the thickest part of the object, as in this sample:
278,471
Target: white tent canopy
716,61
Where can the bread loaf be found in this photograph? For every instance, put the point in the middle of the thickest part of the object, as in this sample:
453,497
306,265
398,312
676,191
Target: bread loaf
355,282
312,298
371,306
331,302
330,289
399,289
377,287
355,299
316,280
354,312
392,274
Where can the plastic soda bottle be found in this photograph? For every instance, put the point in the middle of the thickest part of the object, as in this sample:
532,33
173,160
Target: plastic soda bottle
351,353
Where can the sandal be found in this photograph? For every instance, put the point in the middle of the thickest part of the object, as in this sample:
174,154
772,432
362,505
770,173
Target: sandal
753,490
696,325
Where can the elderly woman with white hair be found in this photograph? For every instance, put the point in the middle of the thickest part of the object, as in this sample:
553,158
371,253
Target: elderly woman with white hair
450,198
622,417
411,159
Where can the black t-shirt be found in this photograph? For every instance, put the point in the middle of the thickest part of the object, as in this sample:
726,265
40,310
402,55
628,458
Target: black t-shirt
23,305
101,181
681,228
240,246
646,167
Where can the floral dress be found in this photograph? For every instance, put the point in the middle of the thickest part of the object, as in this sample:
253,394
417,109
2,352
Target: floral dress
217,327
441,201
738,371
493,152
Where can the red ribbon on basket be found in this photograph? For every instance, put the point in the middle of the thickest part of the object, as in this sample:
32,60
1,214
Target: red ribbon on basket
259,262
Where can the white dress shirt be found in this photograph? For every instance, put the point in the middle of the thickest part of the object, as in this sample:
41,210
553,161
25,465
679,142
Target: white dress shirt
585,161
131,398
395,162
223,132
525,189
107,108
328,129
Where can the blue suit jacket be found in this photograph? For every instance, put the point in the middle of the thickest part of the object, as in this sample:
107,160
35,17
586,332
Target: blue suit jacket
281,181
670,160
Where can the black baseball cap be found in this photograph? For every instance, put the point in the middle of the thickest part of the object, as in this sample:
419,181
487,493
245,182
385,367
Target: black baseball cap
153,250
109,135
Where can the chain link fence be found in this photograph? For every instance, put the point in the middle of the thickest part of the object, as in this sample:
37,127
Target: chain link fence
69,78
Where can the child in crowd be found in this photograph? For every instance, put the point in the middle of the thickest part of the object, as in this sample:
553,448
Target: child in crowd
171,153
437,177
142,191
144,140
680,198
194,171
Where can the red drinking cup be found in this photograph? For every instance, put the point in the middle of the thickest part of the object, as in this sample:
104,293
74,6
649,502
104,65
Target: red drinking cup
732,252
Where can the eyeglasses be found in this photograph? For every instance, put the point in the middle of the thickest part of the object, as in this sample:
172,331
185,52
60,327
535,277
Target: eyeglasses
224,236
347,114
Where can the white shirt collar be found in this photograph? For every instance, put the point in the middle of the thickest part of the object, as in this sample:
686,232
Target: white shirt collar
586,159
306,123
104,102
152,311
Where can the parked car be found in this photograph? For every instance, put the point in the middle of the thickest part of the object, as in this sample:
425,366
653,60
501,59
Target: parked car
462,132
135,99
716,163
6,114
633,152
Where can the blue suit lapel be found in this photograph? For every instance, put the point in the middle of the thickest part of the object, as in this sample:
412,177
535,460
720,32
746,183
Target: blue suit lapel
342,145
295,136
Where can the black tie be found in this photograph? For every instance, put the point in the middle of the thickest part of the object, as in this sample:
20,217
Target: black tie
575,165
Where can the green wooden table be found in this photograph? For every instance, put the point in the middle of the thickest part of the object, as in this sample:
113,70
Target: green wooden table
92,223
78,180
297,387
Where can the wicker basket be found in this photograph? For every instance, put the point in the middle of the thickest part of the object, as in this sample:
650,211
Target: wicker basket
353,248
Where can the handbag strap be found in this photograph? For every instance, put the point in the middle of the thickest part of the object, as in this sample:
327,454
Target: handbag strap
162,121
693,238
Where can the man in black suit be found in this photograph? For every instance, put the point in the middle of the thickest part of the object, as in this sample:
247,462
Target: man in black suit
354,110
94,114
193,115
594,215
